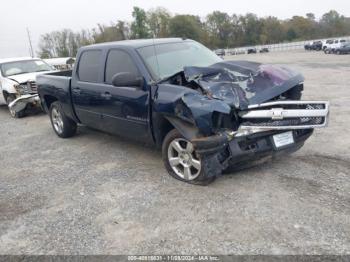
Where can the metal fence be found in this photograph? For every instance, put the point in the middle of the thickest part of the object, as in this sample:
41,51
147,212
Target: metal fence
278,47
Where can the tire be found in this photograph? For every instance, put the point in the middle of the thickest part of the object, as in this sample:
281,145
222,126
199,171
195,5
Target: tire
14,114
63,126
203,172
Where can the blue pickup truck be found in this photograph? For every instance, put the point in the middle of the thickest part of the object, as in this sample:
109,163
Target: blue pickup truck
206,114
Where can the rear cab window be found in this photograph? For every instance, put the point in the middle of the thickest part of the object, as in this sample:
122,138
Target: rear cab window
90,65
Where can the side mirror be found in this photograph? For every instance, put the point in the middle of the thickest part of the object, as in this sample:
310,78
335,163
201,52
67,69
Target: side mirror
126,79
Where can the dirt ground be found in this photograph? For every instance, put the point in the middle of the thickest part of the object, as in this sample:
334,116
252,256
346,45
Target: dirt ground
99,194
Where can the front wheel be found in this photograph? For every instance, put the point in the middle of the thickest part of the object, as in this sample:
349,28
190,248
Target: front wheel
183,163
63,126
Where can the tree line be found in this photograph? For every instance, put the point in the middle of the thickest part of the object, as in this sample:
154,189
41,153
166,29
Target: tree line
217,30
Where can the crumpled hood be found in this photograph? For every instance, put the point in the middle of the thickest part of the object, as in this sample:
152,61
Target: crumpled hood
242,83
23,78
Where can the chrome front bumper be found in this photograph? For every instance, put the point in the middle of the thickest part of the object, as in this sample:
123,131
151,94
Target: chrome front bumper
283,115
21,102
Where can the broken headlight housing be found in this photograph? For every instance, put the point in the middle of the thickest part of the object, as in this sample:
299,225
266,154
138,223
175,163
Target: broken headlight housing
22,89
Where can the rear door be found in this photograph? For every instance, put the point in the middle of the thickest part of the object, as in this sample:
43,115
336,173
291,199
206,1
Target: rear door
86,88
126,109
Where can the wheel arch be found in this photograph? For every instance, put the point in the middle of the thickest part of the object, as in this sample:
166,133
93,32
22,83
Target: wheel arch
48,100
164,124
6,94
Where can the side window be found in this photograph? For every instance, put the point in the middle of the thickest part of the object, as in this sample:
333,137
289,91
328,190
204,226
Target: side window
119,61
89,66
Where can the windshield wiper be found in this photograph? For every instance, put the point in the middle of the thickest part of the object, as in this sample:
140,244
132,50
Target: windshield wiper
42,70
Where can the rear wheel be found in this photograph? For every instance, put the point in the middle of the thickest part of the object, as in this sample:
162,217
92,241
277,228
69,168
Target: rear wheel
13,113
183,163
63,126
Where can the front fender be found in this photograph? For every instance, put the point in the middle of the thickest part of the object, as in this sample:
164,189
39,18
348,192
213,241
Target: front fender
189,107
8,86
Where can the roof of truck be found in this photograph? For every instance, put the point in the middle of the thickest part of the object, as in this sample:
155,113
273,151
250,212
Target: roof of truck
139,42
16,59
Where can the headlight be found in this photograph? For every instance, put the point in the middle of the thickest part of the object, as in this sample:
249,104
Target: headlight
22,89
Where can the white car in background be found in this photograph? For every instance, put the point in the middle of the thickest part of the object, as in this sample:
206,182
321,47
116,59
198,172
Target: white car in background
326,44
17,83
337,43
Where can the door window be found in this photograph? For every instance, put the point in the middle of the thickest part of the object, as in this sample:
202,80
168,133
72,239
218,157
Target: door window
90,66
117,62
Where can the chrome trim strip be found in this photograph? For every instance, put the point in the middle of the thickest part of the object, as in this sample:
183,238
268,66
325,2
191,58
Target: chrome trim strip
280,113
288,102
249,130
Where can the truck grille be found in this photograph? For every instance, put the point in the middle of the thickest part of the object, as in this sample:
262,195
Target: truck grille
301,121
32,86
285,115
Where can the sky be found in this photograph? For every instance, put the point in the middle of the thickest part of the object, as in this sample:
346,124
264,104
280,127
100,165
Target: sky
43,16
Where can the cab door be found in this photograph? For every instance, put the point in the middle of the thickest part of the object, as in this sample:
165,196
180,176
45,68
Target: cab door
126,108
86,88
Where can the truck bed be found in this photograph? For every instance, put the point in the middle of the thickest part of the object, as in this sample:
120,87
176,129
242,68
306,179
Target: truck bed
56,86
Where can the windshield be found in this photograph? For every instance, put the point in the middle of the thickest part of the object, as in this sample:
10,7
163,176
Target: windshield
165,60
24,67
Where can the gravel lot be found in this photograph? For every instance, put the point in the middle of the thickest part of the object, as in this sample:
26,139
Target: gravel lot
99,194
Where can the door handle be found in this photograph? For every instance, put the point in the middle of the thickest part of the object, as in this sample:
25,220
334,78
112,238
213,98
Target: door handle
77,90
106,95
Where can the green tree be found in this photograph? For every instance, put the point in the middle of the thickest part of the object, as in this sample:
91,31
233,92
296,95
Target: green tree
311,16
186,26
271,30
291,35
219,27
64,43
139,26
113,32
303,27
333,24
158,21
252,28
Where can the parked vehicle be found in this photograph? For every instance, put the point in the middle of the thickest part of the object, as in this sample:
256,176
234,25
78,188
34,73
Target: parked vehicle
17,83
327,43
251,51
308,46
207,114
334,46
220,52
343,49
317,46
264,50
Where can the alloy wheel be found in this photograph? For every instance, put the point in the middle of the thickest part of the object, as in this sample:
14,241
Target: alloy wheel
57,120
183,159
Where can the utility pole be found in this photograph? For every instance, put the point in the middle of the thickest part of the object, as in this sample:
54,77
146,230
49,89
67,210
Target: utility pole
30,44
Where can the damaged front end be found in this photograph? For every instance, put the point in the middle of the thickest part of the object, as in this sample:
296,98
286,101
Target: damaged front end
237,112
26,97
